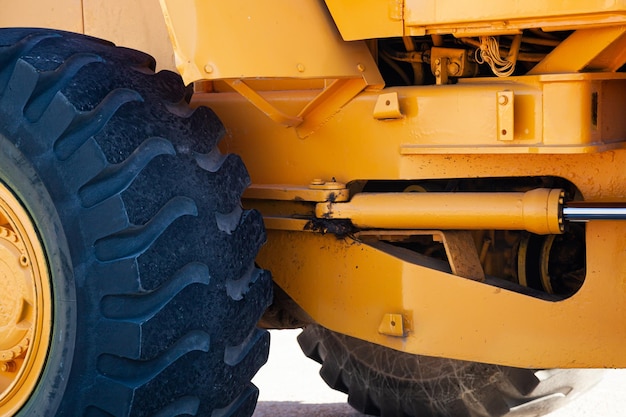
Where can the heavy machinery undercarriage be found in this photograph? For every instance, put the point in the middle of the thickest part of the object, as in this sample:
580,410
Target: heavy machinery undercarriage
442,184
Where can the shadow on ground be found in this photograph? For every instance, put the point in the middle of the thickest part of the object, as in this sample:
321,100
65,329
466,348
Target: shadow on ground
297,409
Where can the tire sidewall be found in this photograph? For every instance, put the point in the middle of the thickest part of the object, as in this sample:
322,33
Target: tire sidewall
19,175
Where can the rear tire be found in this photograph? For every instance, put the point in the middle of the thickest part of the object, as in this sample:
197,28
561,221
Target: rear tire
154,292
383,382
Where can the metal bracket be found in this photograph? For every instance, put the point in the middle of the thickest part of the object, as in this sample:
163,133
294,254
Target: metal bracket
451,62
387,107
317,191
598,49
392,324
328,102
505,115
459,246
462,254
290,207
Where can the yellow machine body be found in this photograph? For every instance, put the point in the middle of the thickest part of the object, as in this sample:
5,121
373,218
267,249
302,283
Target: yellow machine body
299,86
560,120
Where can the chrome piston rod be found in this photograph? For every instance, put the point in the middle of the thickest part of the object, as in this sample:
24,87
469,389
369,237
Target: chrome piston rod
585,211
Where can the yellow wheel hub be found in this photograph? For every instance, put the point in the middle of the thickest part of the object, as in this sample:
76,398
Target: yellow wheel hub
25,305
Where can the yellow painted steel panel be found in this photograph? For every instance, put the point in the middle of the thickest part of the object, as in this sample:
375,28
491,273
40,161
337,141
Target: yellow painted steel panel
392,18
490,16
137,24
553,115
453,317
581,49
565,126
366,19
274,38
58,14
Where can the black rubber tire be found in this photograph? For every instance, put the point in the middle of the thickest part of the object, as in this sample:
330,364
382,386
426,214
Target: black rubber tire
383,382
156,295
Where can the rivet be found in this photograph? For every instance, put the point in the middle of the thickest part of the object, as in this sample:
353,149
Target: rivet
318,181
360,67
300,67
208,69
503,100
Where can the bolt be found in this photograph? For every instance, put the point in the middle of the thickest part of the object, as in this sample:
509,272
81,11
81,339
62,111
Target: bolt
9,366
503,100
360,67
454,68
208,69
300,67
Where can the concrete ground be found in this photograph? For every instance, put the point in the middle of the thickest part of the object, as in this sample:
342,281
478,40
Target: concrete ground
291,387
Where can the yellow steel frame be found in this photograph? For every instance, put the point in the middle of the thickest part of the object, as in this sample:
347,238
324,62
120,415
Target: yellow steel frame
558,121
298,43
352,285
555,115
358,19
277,39
597,49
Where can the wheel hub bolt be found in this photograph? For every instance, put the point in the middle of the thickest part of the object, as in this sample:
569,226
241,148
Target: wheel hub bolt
9,366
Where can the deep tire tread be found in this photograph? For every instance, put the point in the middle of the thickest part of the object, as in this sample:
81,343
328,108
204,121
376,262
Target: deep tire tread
136,373
140,308
135,240
116,178
88,124
387,383
121,161
53,81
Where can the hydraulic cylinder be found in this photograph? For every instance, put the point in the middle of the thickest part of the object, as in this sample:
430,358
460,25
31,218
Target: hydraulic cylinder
538,211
